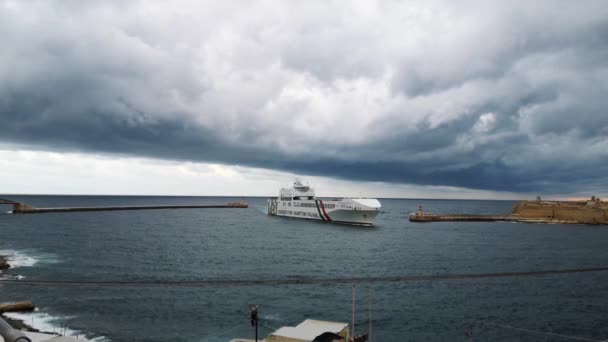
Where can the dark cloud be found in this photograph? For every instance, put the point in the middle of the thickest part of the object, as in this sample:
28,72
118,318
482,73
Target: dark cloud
506,97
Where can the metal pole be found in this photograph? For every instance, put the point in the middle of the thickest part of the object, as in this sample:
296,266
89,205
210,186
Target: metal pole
353,338
254,319
11,335
369,334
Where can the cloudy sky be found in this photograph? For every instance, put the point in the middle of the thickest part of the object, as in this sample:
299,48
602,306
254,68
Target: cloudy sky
467,99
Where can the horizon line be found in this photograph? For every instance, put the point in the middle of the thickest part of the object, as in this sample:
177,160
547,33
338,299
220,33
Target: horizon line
269,196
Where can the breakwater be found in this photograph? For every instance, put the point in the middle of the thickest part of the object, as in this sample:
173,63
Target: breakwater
22,208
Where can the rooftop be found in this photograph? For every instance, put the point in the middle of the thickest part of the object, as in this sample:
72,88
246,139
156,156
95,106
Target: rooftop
309,329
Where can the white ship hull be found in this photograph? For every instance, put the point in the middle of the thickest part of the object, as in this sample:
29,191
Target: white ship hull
359,211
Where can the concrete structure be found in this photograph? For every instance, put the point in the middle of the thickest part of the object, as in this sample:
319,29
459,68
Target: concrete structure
8,334
22,208
16,205
17,307
41,337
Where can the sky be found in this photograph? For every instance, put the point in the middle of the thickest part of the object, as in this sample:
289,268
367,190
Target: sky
430,99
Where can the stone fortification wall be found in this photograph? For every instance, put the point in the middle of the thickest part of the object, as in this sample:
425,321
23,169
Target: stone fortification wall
583,212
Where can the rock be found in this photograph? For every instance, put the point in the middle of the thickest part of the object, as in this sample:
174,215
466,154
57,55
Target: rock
18,324
4,263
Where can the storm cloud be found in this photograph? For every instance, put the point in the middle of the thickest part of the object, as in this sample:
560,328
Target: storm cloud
483,95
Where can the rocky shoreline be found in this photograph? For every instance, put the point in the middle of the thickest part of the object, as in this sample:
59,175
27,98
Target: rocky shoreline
15,323
19,324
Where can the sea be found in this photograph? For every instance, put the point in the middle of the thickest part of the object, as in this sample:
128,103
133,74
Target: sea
185,245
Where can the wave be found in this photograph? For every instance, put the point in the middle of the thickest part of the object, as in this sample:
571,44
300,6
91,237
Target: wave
28,258
52,324
261,209
18,259
40,320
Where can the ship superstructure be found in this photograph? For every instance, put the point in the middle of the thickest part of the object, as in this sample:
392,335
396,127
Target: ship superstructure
299,201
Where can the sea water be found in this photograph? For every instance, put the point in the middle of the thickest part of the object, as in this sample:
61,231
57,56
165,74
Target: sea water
246,244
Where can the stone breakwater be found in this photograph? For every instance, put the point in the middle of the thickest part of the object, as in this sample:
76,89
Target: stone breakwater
22,208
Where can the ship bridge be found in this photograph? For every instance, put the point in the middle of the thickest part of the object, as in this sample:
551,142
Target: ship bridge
297,191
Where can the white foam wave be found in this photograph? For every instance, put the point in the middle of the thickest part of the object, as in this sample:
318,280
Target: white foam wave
18,259
27,258
12,277
40,320
52,324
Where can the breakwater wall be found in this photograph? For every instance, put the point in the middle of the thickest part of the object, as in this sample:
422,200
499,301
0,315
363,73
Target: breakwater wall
22,208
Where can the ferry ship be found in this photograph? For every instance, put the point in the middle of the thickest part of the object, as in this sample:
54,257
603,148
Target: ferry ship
300,201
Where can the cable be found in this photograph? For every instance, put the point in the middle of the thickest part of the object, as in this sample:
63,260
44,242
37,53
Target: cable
577,338
273,282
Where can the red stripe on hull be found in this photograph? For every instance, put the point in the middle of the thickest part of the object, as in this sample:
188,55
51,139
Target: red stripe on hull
324,213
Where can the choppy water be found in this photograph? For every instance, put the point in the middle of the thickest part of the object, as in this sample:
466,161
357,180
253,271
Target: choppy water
246,244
